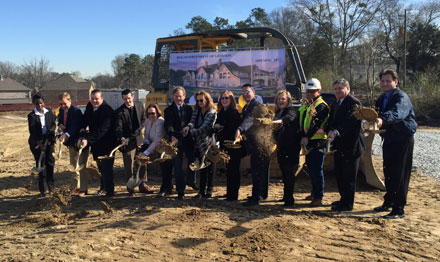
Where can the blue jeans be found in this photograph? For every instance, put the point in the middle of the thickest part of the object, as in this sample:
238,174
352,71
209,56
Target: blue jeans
315,162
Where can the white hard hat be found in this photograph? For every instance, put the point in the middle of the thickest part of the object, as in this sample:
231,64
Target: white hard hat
313,84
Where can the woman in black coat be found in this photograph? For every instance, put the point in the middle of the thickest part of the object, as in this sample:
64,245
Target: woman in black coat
228,120
42,125
288,142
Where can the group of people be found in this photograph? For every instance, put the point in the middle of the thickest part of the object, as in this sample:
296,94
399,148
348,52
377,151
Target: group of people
195,130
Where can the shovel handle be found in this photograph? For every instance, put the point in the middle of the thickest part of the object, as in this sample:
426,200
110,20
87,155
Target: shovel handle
114,150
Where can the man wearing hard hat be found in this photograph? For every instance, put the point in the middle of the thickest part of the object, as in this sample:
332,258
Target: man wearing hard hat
313,117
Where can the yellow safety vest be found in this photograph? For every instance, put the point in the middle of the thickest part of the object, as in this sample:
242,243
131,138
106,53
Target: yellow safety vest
304,122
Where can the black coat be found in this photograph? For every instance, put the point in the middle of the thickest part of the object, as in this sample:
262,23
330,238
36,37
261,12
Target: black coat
73,125
288,137
173,124
350,141
36,136
101,135
230,120
123,123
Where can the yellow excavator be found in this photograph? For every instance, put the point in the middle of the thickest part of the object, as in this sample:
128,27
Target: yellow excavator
246,39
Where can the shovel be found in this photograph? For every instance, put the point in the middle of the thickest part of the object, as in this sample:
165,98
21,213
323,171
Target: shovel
327,149
111,153
38,169
77,168
136,181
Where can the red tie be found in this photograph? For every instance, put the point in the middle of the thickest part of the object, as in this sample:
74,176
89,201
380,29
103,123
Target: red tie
65,118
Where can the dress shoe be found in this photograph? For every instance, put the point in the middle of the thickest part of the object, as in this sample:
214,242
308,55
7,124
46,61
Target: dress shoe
74,191
231,199
100,192
161,194
341,208
208,195
336,203
42,194
82,193
180,196
316,202
395,214
289,204
145,189
382,208
309,197
199,195
193,185
110,194
250,203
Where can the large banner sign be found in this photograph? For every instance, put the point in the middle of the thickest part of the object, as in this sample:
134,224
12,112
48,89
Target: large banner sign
218,71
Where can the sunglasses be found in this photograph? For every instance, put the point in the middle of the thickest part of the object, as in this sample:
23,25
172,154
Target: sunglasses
200,101
246,92
225,98
151,113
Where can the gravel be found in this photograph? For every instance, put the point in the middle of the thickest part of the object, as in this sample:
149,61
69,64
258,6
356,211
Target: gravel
426,157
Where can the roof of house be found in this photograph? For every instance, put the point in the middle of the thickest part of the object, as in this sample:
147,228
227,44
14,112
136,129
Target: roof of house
8,84
68,82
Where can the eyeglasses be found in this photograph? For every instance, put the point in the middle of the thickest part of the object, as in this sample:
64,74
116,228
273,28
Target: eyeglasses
225,98
151,113
200,101
246,92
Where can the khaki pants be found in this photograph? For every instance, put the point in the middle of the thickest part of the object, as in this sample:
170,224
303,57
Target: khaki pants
82,165
131,168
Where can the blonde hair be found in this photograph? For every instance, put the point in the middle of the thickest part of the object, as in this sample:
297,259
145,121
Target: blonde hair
64,95
289,99
179,88
231,98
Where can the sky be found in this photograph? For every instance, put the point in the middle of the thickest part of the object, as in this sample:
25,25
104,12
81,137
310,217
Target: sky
86,36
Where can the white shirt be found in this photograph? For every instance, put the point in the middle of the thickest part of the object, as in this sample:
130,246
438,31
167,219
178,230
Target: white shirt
42,119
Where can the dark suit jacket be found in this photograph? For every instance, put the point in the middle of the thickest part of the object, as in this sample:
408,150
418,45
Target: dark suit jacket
101,135
36,136
350,141
173,125
288,137
123,124
73,125
230,120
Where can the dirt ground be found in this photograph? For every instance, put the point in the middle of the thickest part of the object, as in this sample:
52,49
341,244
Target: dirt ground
144,228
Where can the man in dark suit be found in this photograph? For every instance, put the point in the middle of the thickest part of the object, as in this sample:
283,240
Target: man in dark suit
397,118
177,116
99,117
69,119
259,159
346,135
42,125
130,119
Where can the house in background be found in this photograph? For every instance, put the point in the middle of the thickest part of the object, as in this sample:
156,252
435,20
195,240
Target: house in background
78,88
12,92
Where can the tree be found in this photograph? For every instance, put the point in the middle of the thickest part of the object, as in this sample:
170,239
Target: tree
340,22
35,73
221,24
117,64
132,71
147,63
9,70
199,24
423,46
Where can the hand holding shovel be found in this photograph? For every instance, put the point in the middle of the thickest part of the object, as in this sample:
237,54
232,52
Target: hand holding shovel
38,169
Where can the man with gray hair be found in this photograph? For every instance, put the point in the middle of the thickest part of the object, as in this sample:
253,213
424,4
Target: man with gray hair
345,132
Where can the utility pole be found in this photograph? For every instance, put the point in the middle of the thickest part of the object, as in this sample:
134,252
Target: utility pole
404,52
